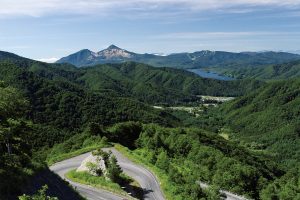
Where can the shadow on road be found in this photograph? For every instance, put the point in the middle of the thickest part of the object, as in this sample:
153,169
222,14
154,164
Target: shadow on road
131,188
57,187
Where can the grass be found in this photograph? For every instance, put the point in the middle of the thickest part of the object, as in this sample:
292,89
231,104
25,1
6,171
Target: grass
160,175
97,182
79,145
224,135
57,157
74,146
60,157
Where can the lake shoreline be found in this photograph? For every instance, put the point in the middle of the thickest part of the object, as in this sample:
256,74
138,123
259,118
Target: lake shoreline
213,75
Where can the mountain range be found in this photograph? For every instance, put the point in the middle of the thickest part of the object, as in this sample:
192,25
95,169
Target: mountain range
253,149
199,59
130,79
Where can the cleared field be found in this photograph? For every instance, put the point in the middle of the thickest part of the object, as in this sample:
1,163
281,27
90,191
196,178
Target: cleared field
217,99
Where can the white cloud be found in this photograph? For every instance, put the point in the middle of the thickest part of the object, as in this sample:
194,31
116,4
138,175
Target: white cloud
228,41
38,8
48,60
223,35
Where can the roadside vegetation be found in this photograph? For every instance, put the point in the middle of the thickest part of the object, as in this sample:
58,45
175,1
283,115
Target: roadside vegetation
87,141
41,195
268,120
248,146
180,157
96,181
15,153
108,177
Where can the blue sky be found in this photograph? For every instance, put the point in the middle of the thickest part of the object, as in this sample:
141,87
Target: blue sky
49,29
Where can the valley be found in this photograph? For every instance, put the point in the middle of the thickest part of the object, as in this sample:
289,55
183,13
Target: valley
149,100
198,106
183,127
208,74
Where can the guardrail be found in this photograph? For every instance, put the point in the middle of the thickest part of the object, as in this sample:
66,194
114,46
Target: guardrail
229,195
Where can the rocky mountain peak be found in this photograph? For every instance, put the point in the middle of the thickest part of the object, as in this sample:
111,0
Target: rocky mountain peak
114,52
111,47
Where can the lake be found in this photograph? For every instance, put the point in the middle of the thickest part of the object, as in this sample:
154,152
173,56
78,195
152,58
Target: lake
213,75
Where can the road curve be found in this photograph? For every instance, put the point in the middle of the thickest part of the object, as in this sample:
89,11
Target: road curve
143,176
228,195
61,168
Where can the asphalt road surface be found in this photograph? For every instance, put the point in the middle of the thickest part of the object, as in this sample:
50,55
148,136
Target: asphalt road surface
228,195
143,176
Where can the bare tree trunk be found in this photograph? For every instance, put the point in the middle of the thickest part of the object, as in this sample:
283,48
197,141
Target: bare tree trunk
9,149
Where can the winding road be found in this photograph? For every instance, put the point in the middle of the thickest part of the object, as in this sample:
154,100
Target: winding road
228,195
143,176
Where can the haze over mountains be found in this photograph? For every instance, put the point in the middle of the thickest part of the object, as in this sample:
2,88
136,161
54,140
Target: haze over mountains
141,81
199,59
71,108
198,99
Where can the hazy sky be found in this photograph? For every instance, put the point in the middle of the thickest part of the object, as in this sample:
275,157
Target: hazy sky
46,29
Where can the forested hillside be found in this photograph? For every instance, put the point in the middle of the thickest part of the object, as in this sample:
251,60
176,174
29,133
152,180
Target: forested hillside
201,100
159,85
184,156
61,109
134,80
38,111
64,104
268,119
279,71
15,151
188,155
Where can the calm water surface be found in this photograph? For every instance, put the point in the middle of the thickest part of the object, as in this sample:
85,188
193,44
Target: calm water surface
213,75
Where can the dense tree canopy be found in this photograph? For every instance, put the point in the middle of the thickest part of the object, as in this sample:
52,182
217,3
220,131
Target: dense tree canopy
281,71
190,155
268,120
61,109
15,151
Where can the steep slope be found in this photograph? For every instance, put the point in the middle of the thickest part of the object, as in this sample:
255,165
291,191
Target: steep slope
59,101
63,100
278,71
140,81
190,155
10,56
85,57
269,120
159,85
13,58
114,54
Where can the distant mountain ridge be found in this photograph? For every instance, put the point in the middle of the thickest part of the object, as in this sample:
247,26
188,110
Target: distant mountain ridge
7,56
199,59
129,79
86,57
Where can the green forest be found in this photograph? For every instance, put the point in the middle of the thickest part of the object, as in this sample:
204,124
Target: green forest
282,71
47,110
